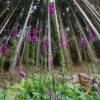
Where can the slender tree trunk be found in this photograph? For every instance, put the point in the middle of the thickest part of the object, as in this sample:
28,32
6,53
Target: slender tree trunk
75,40
88,20
21,40
49,43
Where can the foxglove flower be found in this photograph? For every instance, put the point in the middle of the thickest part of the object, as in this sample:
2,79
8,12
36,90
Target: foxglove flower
49,93
57,97
45,42
14,31
67,41
42,49
83,42
15,98
91,35
5,49
34,38
50,60
22,73
98,91
62,41
28,38
36,30
51,9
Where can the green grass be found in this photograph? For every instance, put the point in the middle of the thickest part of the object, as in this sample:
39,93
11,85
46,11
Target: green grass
47,87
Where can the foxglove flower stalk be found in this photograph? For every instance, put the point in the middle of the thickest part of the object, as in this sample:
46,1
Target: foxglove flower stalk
28,38
34,38
57,97
51,9
98,91
83,42
36,30
91,35
22,73
62,42
43,46
15,98
67,41
14,31
42,49
50,60
4,49
49,93
45,42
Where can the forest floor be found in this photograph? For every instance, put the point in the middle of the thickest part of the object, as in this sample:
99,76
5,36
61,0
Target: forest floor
89,69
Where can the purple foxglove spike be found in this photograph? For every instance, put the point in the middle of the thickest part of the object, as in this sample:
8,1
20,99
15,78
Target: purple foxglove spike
62,41
98,91
34,38
43,49
28,37
49,93
91,37
45,42
57,97
67,41
15,98
50,60
83,42
36,30
51,9
5,49
22,73
15,31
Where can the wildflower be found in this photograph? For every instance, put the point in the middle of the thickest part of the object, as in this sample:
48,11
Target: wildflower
36,30
5,49
15,31
98,91
22,73
45,42
49,93
50,60
15,98
57,97
51,9
28,38
62,41
67,41
42,49
91,37
34,38
83,42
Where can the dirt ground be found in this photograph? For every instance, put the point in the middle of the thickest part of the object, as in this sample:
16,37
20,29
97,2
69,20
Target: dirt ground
72,70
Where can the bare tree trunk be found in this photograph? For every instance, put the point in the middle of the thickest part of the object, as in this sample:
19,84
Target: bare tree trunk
88,20
21,40
76,44
38,49
62,60
91,55
50,58
63,35
9,18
